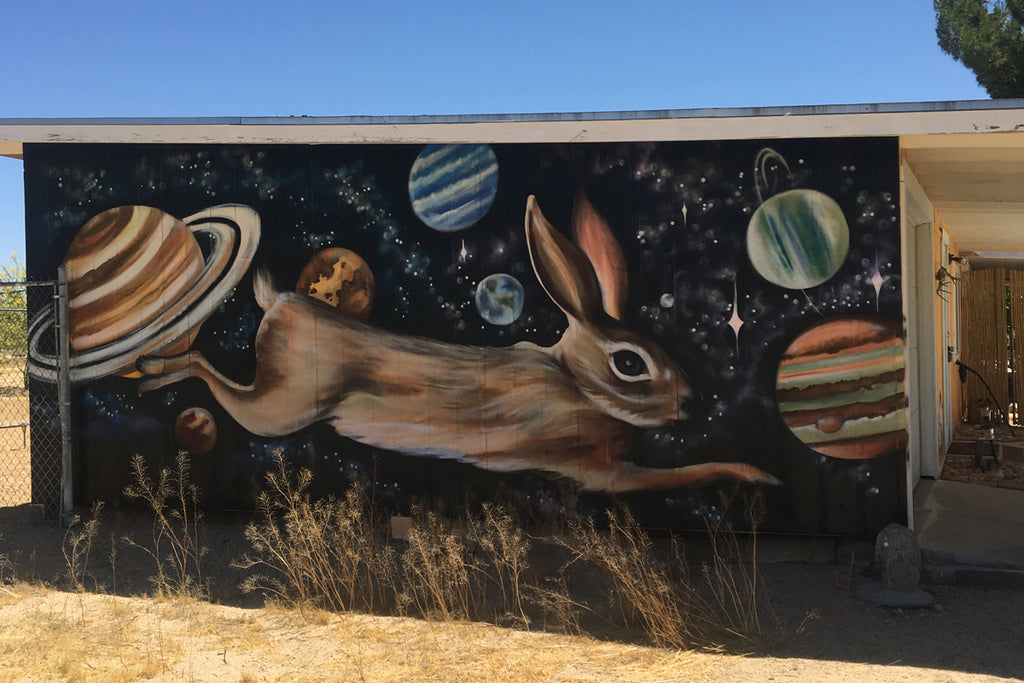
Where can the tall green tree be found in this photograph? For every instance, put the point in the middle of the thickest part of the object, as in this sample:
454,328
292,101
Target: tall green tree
13,313
988,38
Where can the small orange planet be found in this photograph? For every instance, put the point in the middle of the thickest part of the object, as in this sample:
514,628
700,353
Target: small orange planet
340,278
195,430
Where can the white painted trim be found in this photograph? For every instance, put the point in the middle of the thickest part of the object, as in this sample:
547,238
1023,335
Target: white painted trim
913,458
959,124
921,325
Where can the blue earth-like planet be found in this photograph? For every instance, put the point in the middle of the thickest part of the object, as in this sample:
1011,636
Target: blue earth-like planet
798,239
452,186
499,299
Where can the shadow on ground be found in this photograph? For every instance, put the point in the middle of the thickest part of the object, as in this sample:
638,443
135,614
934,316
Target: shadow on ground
973,630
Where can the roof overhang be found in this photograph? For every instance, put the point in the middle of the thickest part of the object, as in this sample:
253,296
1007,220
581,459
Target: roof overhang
967,155
976,183
931,118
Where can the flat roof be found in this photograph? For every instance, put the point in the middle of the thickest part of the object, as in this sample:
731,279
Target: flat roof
969,117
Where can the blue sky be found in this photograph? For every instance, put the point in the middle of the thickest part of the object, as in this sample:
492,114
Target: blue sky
338,58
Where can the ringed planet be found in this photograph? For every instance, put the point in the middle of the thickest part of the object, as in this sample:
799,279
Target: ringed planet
140,284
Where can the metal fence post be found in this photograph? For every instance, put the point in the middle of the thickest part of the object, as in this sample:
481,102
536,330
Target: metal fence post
67,500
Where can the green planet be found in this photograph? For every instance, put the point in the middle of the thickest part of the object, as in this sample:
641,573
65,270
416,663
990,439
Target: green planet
798,239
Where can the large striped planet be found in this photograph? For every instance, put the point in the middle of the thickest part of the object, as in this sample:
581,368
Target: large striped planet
840,388
798,239
452,186
124,267
140,284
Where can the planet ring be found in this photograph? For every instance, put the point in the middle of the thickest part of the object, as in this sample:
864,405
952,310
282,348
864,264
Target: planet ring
234,230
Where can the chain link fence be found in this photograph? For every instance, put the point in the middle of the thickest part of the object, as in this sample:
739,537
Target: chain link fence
32,435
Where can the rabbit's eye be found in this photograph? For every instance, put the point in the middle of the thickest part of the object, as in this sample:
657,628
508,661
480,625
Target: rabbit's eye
629,365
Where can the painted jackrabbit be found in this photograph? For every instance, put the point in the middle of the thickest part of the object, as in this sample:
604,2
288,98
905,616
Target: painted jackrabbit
567,409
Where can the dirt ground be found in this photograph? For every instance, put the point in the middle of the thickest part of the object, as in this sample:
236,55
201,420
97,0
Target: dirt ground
115,630
109,633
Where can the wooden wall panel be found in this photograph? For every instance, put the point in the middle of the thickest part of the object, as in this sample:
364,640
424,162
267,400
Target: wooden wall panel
1017,332
985,341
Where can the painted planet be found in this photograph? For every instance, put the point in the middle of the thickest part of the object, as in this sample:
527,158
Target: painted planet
141,282
840,388
798,239
499,299
452,186
195,431
123,267
340,278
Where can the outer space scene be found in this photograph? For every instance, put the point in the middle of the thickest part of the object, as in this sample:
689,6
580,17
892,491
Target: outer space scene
768,271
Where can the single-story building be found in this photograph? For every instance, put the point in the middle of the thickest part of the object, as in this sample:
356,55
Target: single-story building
669,309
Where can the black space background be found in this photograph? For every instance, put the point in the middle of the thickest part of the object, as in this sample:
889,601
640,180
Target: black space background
359,192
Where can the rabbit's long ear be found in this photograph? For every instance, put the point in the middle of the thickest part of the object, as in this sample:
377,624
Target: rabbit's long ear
563,270
597,242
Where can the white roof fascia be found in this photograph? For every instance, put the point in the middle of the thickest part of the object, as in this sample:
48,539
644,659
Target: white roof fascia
913,119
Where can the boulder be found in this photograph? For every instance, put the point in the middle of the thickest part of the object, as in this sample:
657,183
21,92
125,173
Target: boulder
898,558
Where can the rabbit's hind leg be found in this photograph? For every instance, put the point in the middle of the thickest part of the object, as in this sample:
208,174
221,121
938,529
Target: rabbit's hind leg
159,371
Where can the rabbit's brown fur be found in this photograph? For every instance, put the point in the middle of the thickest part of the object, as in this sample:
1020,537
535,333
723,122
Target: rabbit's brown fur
568,409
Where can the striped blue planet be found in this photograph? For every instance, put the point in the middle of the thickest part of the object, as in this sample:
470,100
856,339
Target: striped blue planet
798,239
452,186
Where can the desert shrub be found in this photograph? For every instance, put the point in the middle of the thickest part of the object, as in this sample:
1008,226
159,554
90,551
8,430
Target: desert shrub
77,546
439,571
6,568
674,604
731,582
471,567
333,553
173,499
502,548
329,553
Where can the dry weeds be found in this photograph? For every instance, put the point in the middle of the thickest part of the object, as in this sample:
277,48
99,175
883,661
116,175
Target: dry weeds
334,554
173,499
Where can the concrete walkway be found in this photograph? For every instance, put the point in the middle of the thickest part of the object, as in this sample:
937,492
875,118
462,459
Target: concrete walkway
970,531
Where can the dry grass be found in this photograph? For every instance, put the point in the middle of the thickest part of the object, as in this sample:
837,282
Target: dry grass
48,635
334,554
77,637
77,548
330,554
173,499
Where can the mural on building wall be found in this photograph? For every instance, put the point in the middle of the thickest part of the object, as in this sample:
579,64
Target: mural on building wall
653,322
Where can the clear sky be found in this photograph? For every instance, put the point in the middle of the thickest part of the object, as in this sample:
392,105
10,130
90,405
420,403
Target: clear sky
109,58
